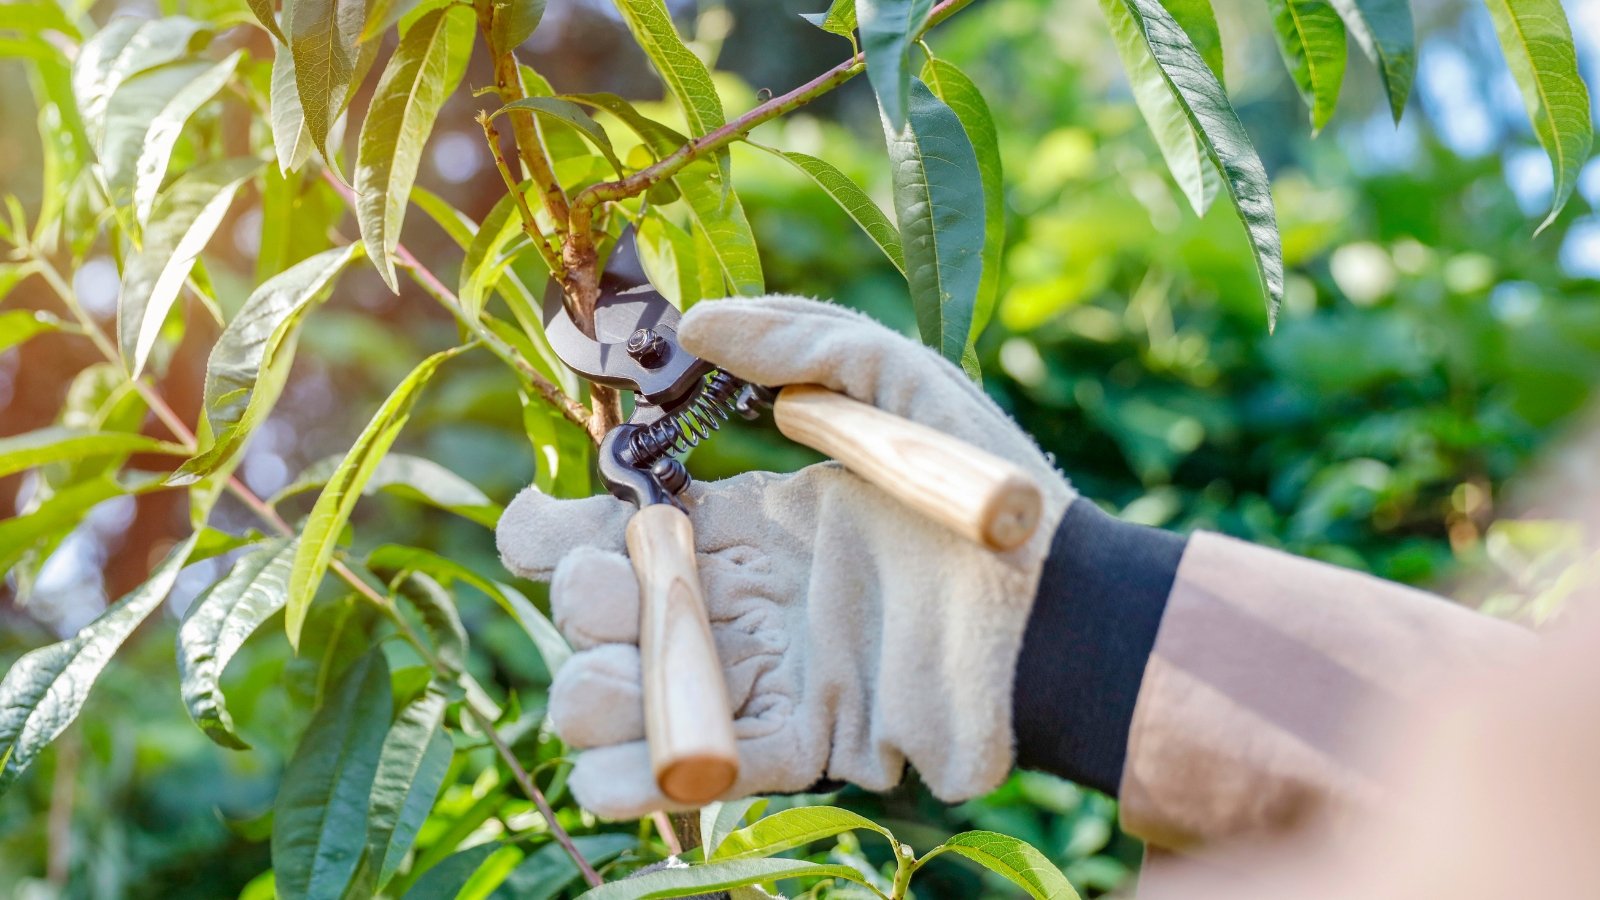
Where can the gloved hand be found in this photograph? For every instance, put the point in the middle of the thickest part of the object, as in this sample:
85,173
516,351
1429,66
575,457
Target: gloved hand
854,634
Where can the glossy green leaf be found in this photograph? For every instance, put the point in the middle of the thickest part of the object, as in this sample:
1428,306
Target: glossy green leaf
546,639
839,19
514,22
685,75
410,93
718,214
412,477
323,38
569,114
126,46
216,626
411,768
1383,30
1162,110
55,444
853,200
150,169
18,326
258,343
958,92
319,823
938,200
1311,38
717,876
1217,127
888,30
334,504
1199,21
792,828
1537,42
163,92
291,140
1015,860
441,619
185,219
547,872
718,820
43,692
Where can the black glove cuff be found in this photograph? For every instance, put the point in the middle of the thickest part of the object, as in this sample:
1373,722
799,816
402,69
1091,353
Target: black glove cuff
1091,630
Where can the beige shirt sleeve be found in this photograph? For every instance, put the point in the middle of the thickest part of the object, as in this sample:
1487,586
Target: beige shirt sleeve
1263,666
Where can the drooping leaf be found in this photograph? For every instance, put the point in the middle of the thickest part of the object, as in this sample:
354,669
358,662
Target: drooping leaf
440,618
718,820
126,46
256,344
1216,126
1537,42
1311,38
150,169
319,824
451,874
291,140
717,876
839,19
410,93
55,444
938,200
186,218
792,828
163,92
43,692
323,38
411,769
514,22
18,326
852,199
888,30
667,253
216,626
958,92
1199,21
686,77
412,477
569,114
547,872
500,239
1017,861
61,513
266,13
336,501
1385,34
1161,109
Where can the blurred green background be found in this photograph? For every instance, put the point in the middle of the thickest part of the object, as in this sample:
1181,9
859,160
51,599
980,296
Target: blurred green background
1429,347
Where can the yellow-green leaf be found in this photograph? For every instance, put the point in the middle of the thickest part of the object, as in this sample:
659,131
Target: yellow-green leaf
338,498
852,199
685,75
57,443
323,39
1016,861
1199,21
1311,38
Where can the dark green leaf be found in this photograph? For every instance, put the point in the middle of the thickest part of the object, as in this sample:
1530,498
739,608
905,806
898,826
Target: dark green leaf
251,359
216,626
717,876
411,769
48,445
185,219
958,92
1537,42
406,476
150,168
1311,38
334,504
410,93
440,618
44,691
319,825
687,78
549,871
888,29
853,200
938,200
1017,861
60,513
266,13
1384,31
792,828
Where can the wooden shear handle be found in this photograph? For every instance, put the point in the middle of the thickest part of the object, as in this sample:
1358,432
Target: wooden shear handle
687,718
970,491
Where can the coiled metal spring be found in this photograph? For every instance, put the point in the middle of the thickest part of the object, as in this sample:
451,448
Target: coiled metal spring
685,429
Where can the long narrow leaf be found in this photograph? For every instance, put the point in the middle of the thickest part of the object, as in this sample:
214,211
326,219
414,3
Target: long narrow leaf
570,114
44,691
338,499
852,199
323,38
888,29
1384,31
1311,37
150,168
685,75
58,444
411,769
1015,860
1537,42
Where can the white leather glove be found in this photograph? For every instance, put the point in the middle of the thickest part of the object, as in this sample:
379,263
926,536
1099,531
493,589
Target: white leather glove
854,634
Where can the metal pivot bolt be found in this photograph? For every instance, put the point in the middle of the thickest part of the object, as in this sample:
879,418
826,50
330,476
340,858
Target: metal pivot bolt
648,348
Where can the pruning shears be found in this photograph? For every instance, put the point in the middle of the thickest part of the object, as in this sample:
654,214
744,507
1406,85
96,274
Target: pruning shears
679,400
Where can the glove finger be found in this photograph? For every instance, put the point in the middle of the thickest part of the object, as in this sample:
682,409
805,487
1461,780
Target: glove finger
537,530
791,340
596,698
594,598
